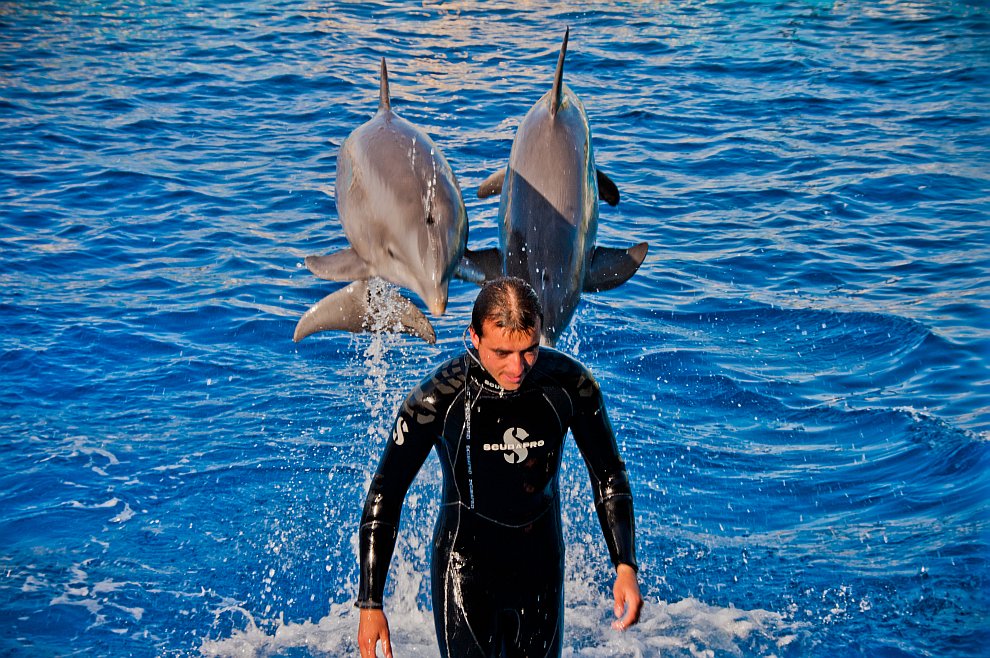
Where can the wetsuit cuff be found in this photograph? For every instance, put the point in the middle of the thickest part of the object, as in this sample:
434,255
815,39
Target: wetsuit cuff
368,605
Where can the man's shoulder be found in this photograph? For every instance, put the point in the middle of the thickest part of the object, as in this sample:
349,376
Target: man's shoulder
448,378
566,371
437,390
555,360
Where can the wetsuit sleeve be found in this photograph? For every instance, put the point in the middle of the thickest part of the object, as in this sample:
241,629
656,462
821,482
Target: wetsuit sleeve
407,449
609,481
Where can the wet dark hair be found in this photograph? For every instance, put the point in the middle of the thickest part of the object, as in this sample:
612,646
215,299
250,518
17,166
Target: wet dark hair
509,302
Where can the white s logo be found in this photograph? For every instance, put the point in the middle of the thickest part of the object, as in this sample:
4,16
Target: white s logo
399,433
515,437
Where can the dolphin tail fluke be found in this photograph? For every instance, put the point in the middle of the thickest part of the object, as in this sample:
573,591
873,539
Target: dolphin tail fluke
492,185
611,267
557,91
480,266
343,265
384,102
608,191
349,309
344,310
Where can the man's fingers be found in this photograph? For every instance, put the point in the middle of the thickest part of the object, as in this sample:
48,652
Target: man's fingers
628,601
620,609
627,620
372,629
621,621
368,647
631,617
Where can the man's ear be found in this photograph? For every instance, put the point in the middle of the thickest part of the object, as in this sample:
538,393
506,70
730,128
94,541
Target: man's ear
474,337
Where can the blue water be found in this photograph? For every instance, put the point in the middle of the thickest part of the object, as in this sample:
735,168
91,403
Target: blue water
798,374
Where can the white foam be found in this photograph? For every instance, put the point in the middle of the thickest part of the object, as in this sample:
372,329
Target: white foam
688,627
380,395
95,598
333,635
113,502
125,515
384,386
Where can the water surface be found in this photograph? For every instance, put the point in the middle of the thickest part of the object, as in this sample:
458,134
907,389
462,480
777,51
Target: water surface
798,373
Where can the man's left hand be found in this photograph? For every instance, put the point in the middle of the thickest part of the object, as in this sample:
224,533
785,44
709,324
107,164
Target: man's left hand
628,601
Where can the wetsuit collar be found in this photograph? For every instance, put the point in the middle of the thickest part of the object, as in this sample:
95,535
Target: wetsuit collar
479,377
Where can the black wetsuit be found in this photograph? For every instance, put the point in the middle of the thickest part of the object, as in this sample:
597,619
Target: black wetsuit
498,553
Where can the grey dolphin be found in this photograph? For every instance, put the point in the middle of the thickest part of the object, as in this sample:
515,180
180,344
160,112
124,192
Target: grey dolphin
548,211
402,212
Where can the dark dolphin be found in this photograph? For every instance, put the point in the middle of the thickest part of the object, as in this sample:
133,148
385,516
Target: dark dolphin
548,212
402,212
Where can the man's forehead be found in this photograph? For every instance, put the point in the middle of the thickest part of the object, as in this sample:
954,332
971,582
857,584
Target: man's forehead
494,333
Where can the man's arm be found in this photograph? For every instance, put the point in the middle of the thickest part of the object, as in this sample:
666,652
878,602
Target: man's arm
382,508
613,496
609,481
407,448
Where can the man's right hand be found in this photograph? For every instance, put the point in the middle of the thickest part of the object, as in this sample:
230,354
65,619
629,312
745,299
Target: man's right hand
373,628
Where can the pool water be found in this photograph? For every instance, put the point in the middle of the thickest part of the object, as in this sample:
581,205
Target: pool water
798,374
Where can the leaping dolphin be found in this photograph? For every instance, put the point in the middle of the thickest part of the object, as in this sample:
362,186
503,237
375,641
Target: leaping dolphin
402,212
548,211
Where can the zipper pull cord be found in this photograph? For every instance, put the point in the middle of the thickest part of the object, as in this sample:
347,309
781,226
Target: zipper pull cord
467,435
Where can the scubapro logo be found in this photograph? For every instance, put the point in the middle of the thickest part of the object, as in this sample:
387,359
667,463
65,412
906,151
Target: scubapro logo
514,444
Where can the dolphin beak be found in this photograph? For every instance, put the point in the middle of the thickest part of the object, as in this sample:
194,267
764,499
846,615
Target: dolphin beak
438,305
436,299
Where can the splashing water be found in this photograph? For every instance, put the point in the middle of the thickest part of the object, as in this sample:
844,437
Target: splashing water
380,396
386,357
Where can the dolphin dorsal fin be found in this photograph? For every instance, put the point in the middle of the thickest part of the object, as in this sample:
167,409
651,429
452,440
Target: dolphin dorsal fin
557,91
384,104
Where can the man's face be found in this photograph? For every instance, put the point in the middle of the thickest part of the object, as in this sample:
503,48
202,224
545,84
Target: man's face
508,356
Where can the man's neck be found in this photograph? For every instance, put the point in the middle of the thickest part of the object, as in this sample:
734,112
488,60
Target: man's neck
481,379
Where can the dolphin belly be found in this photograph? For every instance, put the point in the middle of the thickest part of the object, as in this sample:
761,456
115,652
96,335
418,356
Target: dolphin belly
547,248
548,211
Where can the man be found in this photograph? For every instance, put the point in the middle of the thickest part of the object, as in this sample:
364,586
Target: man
497,416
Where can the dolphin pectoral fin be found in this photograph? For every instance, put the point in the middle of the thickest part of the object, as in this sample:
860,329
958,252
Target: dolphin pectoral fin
492,185
480,266
608,191
343,265
611,267
415,323
349,309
